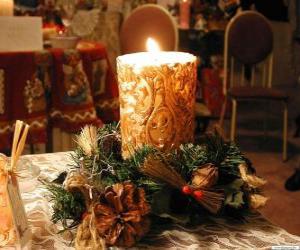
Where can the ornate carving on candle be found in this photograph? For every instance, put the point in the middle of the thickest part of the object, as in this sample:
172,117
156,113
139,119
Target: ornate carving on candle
156,105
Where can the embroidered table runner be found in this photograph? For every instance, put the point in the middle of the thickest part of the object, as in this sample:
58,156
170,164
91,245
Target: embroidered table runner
69,88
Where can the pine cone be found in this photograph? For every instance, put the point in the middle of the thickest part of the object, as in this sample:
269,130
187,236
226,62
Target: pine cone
112,143
121,215
205,176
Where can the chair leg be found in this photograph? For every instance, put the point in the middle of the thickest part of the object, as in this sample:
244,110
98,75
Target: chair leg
233,120
223,111
219,126
285,125
266,119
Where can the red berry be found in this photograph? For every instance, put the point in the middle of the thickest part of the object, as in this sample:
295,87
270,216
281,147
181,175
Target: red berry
186,190
198,195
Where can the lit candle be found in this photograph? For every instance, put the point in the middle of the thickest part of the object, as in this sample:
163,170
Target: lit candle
157,96
6,7
184,14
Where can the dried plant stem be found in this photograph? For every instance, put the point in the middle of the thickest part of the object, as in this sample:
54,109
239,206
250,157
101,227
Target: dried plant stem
160,170
212,200
18,143
157,169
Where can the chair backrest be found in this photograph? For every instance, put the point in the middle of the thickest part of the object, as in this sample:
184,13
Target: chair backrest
149,20
248,41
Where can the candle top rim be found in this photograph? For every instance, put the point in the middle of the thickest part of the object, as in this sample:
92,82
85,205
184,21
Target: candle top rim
160,58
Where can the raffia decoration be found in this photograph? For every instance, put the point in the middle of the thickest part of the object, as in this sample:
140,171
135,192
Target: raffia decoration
121,215
87,237
205,176
212,200
87,140
252,180
257,201
75,181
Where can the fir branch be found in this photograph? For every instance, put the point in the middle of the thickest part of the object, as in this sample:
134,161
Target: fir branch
67,207
107,167
226,156
139,156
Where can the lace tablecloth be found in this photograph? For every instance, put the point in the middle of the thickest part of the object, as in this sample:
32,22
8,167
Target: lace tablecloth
214,233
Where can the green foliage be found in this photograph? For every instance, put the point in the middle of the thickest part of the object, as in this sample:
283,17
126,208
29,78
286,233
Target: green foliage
107,167
67,207
234,194
226,156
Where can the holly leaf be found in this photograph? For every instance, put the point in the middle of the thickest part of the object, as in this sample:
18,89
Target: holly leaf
234,194
234,199
235,185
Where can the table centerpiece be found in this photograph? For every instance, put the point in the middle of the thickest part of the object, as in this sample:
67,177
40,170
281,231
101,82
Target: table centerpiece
126,176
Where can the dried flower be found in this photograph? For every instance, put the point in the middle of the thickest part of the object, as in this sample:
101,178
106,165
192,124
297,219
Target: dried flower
87,140
77,182
211,200
252,180
205,176
74,180
257,201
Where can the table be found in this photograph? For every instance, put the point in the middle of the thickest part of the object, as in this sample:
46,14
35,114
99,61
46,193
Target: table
64,89
213,233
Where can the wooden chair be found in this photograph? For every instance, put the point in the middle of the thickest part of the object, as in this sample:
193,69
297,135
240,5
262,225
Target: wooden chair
149,20
249,44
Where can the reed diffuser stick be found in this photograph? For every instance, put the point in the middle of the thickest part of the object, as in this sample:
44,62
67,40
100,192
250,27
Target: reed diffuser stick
17,132
21,145
19,140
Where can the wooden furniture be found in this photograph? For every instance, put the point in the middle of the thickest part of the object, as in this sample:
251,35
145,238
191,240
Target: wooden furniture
149,20
249,41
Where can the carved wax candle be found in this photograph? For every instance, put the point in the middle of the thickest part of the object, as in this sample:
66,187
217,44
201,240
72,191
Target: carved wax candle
157,96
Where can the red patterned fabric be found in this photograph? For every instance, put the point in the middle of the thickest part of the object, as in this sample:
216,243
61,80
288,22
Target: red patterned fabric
72,102
19,72
69,88
106,102
213,90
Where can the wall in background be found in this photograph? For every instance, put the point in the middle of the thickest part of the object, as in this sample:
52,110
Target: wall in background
286,54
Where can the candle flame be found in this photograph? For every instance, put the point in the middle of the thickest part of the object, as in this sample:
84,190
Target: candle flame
152,45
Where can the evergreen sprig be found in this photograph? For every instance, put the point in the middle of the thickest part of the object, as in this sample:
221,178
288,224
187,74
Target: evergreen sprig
67,207
106,166
226,156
